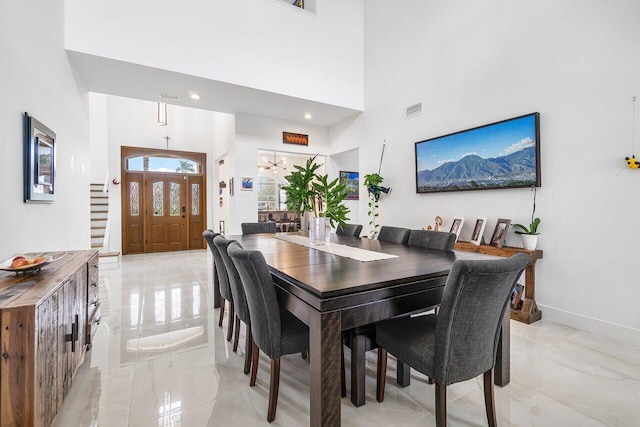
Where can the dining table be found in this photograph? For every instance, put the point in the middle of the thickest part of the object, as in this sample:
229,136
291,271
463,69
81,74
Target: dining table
333,293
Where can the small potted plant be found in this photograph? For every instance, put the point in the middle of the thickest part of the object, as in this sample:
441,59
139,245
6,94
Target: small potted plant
372,181
530,234
308,191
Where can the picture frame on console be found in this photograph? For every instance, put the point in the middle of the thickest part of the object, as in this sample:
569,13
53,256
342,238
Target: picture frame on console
456,226
478,231
500,232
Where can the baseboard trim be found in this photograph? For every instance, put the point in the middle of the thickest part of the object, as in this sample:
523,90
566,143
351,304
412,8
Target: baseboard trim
589,324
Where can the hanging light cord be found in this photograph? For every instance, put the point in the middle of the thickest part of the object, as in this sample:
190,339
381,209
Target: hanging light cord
633,133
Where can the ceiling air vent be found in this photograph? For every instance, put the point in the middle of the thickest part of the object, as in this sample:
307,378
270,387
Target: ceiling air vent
414,110
165,95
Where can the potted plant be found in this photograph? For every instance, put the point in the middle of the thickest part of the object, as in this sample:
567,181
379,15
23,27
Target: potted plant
530,234
372,181
308,191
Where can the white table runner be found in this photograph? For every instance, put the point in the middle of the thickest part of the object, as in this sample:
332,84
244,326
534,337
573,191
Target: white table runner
338,249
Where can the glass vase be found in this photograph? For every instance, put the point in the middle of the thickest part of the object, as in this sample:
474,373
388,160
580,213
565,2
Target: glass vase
319,231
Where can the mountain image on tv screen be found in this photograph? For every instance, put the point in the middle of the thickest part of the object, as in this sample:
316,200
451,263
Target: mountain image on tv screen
499,155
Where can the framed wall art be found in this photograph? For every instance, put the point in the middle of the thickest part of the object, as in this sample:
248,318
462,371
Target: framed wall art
351,180
504,154
295,138
39,161
247,184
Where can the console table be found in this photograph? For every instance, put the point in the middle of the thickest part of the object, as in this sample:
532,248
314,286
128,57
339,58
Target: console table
529,312
47,320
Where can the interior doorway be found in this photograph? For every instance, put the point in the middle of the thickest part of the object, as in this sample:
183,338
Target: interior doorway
163,200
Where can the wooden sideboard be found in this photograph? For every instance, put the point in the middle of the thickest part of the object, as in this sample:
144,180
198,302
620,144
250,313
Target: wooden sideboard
529,312
47,320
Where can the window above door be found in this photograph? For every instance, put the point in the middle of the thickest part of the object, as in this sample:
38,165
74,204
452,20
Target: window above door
165,164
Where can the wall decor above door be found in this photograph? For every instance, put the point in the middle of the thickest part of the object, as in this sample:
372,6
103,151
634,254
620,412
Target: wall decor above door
295,138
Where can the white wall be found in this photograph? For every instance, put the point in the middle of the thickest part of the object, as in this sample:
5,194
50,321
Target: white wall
36,77
472,63
261,44
132,122
255,133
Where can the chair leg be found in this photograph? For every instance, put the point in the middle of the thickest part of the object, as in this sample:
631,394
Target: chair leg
441,405
254,364
222,301
343,381
304,355
248,350
489,401
403,374
382,373
236,334
232,314
273,389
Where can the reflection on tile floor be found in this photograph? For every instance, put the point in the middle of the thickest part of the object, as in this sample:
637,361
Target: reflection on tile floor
159,359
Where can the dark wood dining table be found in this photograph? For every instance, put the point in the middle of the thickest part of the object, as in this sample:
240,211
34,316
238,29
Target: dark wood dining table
332,293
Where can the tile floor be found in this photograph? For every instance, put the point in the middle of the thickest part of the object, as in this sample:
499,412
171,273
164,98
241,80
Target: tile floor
159,359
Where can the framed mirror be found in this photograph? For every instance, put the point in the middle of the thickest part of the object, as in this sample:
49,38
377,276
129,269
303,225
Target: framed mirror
38,161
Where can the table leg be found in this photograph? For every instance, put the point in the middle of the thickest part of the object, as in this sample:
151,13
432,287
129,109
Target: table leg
358,355
325,341
502,371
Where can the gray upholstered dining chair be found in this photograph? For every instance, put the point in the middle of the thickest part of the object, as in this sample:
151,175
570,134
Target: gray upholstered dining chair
363,338
258,227
239,298
394,234
225,289
208,235
460,342
429,239
276,332
349,230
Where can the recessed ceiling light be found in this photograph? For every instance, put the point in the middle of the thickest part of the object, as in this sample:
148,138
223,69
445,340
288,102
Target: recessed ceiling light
194,96
307,116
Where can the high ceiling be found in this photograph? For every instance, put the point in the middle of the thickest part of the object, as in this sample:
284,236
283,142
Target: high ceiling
119,78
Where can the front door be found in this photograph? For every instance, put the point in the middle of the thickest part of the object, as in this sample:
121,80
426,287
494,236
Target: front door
166,211
162,210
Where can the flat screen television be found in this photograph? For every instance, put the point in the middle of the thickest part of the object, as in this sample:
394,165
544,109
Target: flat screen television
504,154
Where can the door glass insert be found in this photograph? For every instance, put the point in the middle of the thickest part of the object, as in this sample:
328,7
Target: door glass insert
158,198
174,199
134,198
195,199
